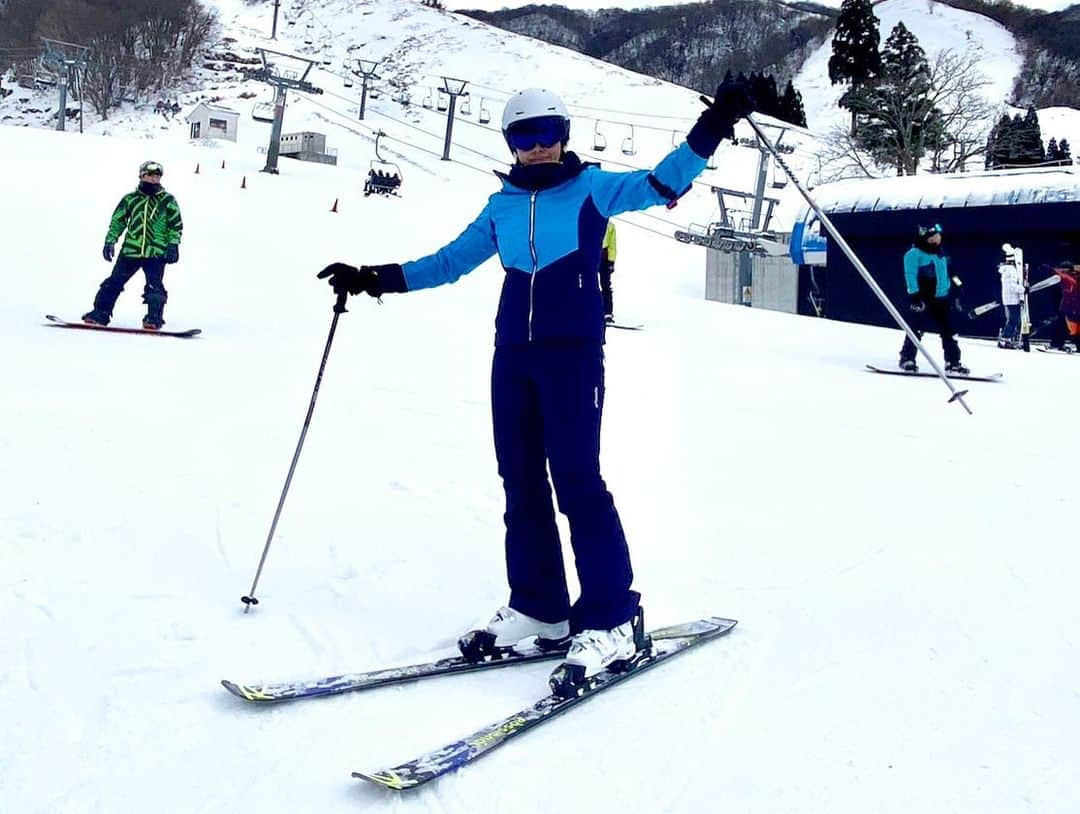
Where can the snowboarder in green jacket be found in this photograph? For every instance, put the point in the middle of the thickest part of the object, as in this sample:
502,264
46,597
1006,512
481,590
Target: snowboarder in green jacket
150,220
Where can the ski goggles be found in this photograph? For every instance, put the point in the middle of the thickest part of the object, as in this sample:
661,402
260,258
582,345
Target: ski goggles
151,168
926,231
547,131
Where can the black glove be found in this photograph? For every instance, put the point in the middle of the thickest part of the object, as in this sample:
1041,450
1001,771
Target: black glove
732,101
346,278
172,253
107,252
915,303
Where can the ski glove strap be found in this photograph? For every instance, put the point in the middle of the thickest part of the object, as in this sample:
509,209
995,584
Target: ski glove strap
731,102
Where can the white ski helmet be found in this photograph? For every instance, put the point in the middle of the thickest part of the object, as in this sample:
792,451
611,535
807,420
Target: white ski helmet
533,103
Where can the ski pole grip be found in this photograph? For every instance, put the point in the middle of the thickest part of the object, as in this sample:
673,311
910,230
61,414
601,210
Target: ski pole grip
339,306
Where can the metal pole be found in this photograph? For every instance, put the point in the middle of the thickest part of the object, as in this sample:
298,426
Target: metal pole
339,309
273,32
363,95
61,113
449,127
274,147
957,395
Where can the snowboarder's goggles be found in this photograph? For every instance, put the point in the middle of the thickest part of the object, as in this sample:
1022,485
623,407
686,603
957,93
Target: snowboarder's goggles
546,131
151,168
926,231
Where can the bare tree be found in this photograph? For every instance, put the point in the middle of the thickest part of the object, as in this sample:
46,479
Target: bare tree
963,111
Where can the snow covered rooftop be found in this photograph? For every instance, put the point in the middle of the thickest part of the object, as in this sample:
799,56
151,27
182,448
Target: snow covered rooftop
999,188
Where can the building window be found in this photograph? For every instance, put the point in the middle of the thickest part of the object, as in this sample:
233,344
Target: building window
219,125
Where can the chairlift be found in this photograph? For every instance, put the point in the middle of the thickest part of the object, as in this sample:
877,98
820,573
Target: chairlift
675,142
442,105
779,179
348,80
290,21
628,142
384,177
466,106
373,92
309,38
429,102
262,112
599,142
326,59
484,115
403,98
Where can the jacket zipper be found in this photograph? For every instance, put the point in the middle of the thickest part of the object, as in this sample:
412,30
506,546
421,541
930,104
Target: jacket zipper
532,251
142,250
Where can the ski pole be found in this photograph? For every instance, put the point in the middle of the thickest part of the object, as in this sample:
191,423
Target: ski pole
339,309
957,395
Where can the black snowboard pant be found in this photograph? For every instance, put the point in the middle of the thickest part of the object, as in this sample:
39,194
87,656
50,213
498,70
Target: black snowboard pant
937,316
154,293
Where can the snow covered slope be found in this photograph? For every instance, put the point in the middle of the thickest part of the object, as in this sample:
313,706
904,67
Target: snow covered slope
902,571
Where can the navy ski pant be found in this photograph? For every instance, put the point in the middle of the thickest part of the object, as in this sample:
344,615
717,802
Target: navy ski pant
938,315
154,293
547,400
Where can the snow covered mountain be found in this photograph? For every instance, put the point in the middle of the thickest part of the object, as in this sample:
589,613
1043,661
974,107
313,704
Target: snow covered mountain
902,572
588,5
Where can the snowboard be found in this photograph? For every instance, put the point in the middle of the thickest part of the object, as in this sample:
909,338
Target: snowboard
625,326
972,377
56,322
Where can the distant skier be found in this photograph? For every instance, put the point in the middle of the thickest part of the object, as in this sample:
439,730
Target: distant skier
930,298
1067,325
547,224
151,218
1012,295
607,268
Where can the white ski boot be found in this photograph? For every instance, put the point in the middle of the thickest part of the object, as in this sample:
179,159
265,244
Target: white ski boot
507,628
593,651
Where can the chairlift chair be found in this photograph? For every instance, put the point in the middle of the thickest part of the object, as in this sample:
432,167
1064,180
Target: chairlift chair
466,106
484,115
348,79
441,104
373,92
384,177
599,142
326,59
429,102
628,142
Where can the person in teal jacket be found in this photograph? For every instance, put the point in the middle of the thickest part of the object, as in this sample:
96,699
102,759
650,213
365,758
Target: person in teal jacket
547,223
930,299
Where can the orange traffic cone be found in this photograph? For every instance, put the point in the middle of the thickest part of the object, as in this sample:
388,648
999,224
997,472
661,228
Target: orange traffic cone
334,207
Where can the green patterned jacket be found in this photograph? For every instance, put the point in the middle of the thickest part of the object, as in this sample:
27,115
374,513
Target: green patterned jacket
152,222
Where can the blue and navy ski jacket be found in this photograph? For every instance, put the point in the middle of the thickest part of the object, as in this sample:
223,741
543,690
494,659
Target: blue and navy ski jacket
548,241
923,270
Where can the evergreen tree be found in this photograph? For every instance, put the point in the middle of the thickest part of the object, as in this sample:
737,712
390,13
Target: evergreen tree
855,59
898,114
1053,153
791,106
1065,152
1030,140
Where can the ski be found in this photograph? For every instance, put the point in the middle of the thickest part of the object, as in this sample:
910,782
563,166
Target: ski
354,682
269,693
622,326
971,377
665,644
56,322
1061,351
986,308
